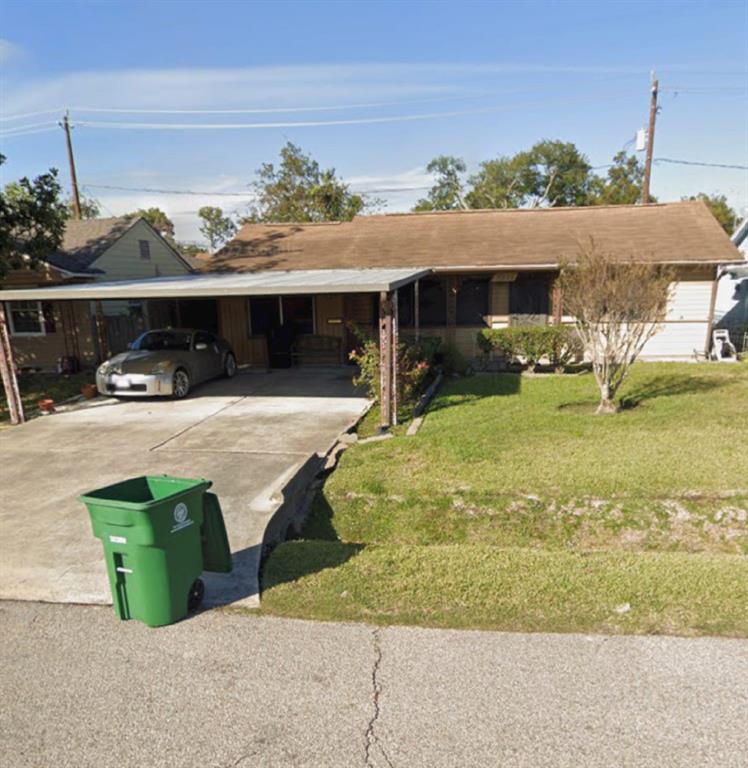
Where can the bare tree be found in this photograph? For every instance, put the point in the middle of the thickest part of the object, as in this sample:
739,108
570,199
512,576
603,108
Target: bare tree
618,305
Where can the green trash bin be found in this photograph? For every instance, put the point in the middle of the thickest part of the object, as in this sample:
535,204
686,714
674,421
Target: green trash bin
152,531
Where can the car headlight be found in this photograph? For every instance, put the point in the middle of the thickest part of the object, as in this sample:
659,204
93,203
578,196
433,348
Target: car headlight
159,368
104,368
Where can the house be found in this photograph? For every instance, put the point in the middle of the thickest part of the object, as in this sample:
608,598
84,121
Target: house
489,268
285,294
92,250
735,320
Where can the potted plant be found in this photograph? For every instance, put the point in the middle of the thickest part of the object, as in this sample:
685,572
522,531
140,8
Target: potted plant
89,391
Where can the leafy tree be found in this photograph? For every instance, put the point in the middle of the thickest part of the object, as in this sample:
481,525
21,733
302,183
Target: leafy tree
551,173
558,174
191,250
32,220
90,208
298,190
617,307
216,227
502,183
447,192
721,210
158,220
623,184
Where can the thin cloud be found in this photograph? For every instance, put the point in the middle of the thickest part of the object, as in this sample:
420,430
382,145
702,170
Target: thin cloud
223,88
281,87
10,52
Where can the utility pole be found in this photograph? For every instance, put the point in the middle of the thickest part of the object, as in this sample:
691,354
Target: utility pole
650,140
71,162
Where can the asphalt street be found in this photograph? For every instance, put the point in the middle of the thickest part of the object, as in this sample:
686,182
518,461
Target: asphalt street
222,689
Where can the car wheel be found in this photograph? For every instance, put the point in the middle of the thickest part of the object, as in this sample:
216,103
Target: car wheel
229,366
180,384
196,594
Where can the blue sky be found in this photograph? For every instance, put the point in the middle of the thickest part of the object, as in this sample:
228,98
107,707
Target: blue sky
494,78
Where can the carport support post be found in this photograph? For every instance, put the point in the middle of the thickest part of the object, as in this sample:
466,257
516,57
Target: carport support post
395,343
385,360
8,373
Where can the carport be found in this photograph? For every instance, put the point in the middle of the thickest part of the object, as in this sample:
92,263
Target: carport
381,282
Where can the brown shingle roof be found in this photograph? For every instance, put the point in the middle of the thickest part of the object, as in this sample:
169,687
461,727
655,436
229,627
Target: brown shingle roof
84,241
669,232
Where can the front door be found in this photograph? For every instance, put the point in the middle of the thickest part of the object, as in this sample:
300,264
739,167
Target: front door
281,319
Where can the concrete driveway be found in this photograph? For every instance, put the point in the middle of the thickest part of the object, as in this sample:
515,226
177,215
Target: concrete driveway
257,437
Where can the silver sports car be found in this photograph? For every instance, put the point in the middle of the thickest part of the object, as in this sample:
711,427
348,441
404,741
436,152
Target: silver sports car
166,362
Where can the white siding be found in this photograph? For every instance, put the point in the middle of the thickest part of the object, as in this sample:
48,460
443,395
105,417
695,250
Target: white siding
677,340
684,333
691,300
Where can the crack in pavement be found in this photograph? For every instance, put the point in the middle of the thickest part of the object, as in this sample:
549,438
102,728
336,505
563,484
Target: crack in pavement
371,738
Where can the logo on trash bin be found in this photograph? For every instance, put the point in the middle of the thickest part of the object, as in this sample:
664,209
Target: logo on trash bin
181,520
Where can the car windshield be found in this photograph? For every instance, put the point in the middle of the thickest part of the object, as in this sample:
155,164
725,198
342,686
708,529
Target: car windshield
156,341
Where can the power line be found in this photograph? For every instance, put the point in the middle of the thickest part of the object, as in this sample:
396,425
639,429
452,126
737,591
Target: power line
205,193
31,127
279,110
19,134
286,110
7,118
267,110
155,191
127,125
707,165
131,125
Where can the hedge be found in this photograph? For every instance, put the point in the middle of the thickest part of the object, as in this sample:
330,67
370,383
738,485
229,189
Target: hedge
559,344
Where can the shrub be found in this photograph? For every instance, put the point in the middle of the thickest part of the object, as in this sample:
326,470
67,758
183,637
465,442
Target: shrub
413,367
451,359
530,344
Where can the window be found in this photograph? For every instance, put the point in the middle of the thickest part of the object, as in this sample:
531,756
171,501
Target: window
432,302
264,315
529,296
472,302
405,305
26,318
169,341
298,313
145,249
202,337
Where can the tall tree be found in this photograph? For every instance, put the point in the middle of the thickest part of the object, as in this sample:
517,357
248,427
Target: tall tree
505,182
216,227
32,220
299,190
550,173
90,208
447,192
721,210
617,307
623,183
560,174
158,220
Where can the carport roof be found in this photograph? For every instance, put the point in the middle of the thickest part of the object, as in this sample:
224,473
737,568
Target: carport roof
211,285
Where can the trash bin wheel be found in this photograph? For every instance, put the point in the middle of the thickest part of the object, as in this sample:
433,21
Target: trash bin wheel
196,594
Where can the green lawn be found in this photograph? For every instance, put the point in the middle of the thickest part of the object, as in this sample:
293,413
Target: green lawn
515,507
38,386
